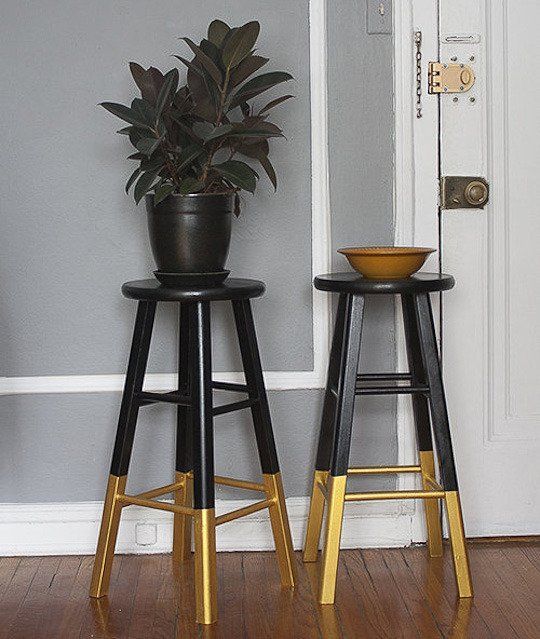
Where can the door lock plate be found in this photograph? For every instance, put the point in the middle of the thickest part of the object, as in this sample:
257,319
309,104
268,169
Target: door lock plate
449,78
464,192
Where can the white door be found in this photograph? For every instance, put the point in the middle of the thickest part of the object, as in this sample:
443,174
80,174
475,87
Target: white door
491,338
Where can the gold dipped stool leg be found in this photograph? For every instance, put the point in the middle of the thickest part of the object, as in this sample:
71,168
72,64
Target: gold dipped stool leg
431,506
280,529
108,532
182,523
459,544
334,519
205,566
315,518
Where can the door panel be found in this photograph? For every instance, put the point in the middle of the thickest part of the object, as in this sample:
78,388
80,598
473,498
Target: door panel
492,319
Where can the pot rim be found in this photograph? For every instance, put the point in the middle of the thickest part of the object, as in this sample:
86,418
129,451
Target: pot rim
196,195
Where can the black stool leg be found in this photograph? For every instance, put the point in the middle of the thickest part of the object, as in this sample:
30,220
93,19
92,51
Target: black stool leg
337,480
441,430
422,424
200,367
125,434
184,476
324,449
265,441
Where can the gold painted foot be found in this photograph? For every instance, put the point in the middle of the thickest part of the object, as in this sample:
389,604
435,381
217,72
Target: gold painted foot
205,566
459,545
108,532
182,523
280,529
336,500
431,506
315,519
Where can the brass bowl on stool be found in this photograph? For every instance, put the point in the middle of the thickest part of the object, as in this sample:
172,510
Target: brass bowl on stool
386,262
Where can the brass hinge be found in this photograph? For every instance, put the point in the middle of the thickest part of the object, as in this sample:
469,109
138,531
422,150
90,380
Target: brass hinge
449,78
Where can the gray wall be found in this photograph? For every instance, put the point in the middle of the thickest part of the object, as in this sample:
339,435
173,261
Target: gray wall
70,236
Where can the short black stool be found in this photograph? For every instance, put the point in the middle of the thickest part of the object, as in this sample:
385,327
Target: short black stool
423,382
193,488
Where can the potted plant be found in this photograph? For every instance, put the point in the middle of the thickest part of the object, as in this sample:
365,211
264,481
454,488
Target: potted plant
189,140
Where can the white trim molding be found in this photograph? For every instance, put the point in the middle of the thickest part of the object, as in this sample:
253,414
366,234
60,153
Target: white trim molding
320,259
72,528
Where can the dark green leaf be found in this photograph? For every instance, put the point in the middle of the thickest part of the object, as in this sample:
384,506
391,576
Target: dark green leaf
267,166
154,163
149,81
144,110
162,191
240,43
202,97
188,155
258,85
260,130
190,64
239,173
124,113
167,91
219,132
205,61
148,145
274,103
136,156
247,67
190,185
144,184
132,178
126,130
217,32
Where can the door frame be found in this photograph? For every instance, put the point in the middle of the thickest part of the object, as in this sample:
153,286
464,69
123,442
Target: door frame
416,203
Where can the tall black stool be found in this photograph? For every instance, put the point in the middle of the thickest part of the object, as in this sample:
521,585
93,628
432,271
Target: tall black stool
194,481
423,382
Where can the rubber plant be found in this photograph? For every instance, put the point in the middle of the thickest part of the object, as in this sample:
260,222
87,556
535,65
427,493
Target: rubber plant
189,138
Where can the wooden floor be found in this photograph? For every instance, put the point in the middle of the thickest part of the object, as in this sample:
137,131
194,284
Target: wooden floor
381,593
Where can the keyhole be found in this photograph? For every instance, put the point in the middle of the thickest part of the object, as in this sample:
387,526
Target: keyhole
382,10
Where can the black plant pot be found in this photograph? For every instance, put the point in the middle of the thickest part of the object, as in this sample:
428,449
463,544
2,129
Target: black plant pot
190,234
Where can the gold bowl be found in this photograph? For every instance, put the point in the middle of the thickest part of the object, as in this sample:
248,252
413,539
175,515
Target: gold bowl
386,262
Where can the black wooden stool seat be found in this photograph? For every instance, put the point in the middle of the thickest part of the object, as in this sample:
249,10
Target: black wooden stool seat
423,382
231,289
355,284
193,488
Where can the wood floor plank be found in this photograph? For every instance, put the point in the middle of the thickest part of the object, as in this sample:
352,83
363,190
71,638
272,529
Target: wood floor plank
385,594
423,616
31,613
8,567
16,592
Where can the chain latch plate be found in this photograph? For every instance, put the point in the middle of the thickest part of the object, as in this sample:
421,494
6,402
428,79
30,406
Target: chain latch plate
449,78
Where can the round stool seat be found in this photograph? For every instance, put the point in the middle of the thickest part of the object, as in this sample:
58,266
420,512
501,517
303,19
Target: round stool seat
354,283
231,289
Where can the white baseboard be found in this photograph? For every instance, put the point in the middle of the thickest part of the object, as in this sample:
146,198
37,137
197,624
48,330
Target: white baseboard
72,528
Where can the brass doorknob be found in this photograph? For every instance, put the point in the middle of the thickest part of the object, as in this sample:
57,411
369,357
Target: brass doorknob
476,193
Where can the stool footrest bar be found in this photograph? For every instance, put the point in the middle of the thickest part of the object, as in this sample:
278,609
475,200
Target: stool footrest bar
239,483
242,512
391,390
230,386
381,470
229,408
131,500
162,490
432,482
396,494
146,398
369,377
